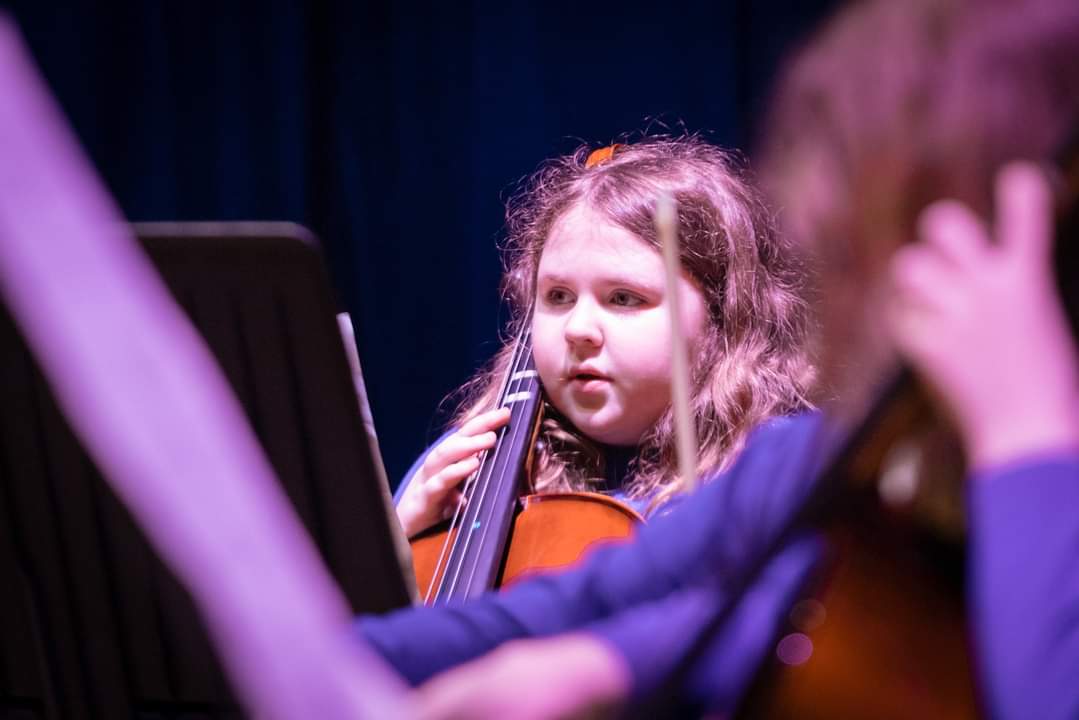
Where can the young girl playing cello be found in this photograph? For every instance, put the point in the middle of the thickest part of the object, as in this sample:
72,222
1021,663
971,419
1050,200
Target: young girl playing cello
585,274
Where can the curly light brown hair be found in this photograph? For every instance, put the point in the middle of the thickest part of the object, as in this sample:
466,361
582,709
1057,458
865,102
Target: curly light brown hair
750,364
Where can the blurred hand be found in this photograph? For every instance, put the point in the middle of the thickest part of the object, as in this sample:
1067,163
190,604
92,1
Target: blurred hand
566,676
433,494
982,322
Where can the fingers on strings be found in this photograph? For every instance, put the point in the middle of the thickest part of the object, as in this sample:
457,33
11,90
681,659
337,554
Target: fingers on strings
458,456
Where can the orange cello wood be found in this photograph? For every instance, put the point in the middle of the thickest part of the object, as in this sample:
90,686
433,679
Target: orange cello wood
550,531
887,624
555,530
890,640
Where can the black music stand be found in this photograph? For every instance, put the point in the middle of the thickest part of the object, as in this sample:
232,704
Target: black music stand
93,625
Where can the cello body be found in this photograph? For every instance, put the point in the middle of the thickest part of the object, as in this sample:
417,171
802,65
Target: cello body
550,531
880,631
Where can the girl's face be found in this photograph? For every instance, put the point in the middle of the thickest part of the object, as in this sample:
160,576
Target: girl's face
601,330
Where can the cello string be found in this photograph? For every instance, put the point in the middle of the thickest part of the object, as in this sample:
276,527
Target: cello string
519,426
466,530
453,539
437,580
480,479
446,552
521,360
522,354
475,506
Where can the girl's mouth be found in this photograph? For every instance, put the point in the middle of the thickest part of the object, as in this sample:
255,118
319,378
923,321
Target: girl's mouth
588,382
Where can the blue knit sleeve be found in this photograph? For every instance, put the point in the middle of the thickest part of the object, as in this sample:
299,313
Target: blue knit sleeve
654,638
1024,566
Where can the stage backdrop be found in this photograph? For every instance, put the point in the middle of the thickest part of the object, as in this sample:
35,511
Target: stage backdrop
394,130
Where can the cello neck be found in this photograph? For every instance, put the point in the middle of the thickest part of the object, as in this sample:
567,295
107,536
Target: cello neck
476,543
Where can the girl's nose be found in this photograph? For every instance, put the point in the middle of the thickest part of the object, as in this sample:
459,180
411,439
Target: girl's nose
583,326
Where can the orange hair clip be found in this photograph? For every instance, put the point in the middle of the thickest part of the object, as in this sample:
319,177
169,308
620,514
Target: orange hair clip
601,155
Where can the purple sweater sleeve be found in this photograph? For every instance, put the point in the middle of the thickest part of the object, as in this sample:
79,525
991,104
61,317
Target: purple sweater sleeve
1024,565
654,638
622,589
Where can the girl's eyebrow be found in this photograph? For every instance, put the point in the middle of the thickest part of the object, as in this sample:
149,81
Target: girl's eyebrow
634,283
612,279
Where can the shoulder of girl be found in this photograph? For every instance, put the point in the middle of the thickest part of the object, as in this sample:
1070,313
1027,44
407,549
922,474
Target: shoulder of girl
774,441
783,425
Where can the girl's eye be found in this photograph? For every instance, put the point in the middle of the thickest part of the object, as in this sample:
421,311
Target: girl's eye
558,296
623,298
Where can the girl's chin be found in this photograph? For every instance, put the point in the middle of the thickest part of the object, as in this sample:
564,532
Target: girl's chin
603,423
608,433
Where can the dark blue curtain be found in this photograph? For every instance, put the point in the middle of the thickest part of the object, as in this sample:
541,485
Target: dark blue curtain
394,130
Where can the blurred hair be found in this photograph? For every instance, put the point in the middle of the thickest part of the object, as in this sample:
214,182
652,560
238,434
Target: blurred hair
895,105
